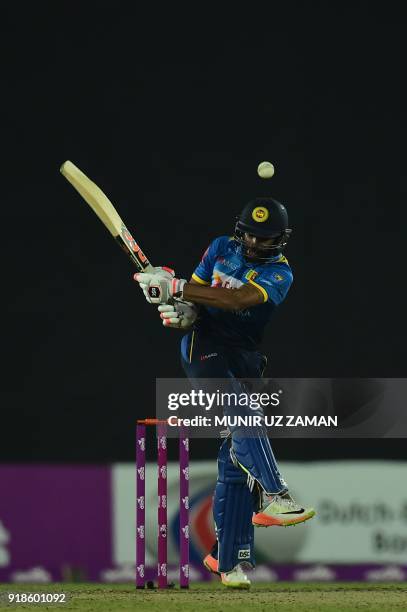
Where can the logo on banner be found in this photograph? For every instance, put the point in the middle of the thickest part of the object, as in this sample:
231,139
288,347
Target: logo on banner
162,569
185,501
185,570
140,502
162,501
140,570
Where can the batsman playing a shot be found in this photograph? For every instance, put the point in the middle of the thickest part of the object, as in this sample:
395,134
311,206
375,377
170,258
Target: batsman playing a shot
224,308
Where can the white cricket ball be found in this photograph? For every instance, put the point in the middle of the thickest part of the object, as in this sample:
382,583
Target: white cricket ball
265,170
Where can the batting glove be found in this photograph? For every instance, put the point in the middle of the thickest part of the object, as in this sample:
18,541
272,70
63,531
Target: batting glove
160,288
164,271
180,315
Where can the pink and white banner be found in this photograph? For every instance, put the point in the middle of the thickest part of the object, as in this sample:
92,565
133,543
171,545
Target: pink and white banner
55,522
77,523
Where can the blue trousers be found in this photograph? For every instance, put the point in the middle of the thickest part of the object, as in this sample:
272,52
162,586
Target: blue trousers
204,357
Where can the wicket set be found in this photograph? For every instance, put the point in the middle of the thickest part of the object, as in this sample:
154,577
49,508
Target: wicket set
161,430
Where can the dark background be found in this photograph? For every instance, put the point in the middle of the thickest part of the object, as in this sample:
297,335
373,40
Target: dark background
170,111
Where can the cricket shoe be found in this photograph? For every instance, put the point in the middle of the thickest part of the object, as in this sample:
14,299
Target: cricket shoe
281,511
211,564
235,579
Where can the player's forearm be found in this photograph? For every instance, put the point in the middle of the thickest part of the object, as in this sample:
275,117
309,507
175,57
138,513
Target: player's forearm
217,297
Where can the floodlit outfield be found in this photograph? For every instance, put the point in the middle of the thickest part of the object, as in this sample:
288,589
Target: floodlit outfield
213,597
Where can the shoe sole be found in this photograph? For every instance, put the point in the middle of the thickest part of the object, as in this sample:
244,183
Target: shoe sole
263,520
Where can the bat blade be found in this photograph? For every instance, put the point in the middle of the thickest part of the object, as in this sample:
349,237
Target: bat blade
104,209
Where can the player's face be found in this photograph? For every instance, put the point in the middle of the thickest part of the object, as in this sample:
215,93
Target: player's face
257,246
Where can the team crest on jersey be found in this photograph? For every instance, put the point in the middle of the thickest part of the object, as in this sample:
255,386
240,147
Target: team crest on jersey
251,275
260,214
278,277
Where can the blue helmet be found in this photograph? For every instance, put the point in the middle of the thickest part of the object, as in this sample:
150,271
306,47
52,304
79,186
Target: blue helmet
264,218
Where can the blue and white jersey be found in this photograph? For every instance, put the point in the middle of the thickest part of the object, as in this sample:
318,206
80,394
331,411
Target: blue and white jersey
223,265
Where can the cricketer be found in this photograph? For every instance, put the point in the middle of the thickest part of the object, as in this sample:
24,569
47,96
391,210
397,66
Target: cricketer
224,308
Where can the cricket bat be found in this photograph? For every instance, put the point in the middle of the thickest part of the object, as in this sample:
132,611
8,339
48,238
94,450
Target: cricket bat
104,209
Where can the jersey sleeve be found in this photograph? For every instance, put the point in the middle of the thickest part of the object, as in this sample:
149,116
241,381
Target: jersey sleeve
203,272
273,284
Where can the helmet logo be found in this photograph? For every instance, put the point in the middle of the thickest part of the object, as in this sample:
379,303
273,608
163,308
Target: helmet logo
260,214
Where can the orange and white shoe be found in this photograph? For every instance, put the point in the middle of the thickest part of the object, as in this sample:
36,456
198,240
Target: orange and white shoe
281,511
211,564
235,579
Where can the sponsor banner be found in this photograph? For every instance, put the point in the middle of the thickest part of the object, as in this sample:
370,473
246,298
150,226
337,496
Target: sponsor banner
78,523
55,523
356,521
361,511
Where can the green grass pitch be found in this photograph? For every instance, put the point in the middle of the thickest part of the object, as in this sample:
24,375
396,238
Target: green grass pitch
213,597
